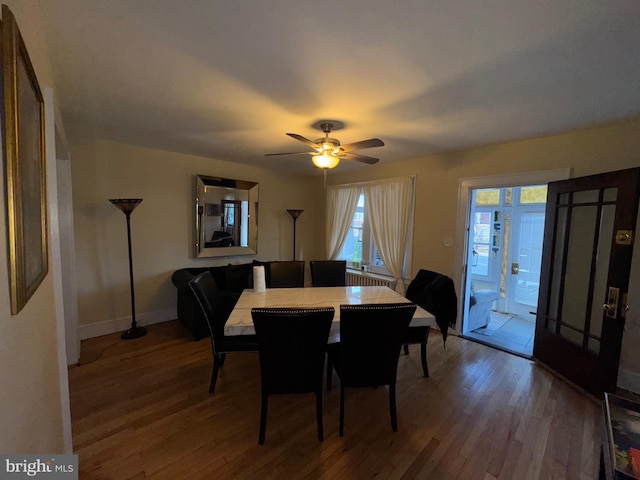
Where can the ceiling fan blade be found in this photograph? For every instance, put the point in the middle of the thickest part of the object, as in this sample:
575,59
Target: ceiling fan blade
290,153
359,158
372,142
304,140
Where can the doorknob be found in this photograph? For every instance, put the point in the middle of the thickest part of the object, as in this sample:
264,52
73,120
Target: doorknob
515,268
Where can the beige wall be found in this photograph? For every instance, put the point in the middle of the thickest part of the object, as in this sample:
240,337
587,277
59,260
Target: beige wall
161,226
32,407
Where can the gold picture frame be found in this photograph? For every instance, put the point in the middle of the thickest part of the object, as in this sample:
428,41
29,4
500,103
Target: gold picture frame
25,173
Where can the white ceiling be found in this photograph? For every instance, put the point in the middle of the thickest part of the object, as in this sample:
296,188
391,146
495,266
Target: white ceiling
227,78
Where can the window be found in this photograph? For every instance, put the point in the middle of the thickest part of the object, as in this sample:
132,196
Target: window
359,247
367,213
352,248
481,243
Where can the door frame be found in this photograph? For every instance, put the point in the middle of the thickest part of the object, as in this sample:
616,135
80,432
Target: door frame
465,185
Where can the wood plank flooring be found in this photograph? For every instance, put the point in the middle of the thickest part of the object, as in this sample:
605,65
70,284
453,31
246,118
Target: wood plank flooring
141,409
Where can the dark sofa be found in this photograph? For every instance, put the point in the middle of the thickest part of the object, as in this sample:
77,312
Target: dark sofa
230,280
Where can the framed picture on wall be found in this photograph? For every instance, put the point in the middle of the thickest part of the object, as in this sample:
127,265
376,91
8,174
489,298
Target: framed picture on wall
25,174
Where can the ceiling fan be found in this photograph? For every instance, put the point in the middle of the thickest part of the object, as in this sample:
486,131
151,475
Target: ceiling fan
327,151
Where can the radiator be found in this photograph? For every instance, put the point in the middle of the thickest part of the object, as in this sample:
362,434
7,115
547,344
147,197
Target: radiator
364,280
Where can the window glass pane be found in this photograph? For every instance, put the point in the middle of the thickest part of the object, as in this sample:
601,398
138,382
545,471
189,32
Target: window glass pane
377,261
357,243
563,199
488,196
577,274
594,345
529,258
610,194
352,248
533,194
480,259
587,196
601,260
481,239
571,335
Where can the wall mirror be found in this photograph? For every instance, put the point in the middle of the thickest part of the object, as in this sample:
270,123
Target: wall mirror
226,217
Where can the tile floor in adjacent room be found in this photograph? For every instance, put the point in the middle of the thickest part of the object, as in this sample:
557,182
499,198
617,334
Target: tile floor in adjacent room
507,332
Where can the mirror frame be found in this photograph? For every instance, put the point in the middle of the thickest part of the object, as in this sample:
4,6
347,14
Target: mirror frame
201,183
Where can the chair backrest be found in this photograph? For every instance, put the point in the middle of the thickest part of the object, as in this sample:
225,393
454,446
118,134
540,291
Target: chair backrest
371,336
328,273
206,292
285,274
292,344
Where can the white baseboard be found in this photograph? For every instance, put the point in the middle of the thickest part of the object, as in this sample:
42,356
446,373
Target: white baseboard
121,324
629,381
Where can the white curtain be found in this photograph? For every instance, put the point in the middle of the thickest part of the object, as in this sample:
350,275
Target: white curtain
388,206
342,201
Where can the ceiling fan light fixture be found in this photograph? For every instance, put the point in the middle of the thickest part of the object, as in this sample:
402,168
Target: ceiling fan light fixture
325,161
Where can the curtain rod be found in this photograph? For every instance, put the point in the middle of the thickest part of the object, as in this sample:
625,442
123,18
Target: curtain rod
371,182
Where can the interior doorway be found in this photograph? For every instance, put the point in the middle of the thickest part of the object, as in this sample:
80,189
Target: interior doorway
505,240
502,219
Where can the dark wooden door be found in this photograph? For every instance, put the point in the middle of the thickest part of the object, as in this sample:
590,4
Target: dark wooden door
586,261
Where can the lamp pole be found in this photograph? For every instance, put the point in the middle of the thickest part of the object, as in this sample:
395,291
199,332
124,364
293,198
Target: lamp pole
294,214
127,205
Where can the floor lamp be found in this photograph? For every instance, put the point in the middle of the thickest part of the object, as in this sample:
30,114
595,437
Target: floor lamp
128,205
294,214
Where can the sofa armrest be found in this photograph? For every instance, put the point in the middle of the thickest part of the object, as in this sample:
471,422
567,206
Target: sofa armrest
483,296
181,278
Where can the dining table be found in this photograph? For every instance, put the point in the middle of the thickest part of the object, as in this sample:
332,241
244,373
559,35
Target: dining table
240,321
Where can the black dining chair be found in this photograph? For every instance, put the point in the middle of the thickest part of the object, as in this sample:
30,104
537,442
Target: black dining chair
435,293
328,273
371,337
210,300
285,274
291,344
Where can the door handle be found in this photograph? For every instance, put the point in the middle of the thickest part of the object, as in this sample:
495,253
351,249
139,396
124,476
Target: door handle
611,307
515,268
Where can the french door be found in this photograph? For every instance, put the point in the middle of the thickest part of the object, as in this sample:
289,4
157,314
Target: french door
589,233
525,255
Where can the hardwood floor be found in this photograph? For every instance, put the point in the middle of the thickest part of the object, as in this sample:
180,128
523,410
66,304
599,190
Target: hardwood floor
141,409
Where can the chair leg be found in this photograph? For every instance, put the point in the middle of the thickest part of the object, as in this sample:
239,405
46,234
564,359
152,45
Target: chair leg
423,356
319,414
222,357
392,407
217,363
341,410
406,349
329,374
263,417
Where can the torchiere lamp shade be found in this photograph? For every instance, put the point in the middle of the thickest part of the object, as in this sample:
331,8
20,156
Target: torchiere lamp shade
127,205
294,213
